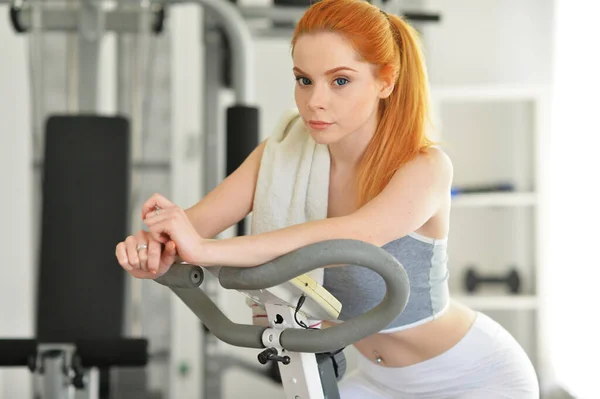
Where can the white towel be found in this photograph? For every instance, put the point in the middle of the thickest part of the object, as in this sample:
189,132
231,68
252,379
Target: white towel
292,188
293,180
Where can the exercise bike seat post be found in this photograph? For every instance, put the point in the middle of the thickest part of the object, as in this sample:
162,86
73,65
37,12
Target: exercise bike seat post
292,299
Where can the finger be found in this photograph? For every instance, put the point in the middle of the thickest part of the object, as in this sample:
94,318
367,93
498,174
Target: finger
150,205
154,202
142,256
158,234
141,274
162,230
141,236
154,252
121,253
155,221
160,216
169,253
153,212
142,253
132,255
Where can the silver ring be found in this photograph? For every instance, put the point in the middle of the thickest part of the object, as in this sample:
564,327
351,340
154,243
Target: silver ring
156,209
141,246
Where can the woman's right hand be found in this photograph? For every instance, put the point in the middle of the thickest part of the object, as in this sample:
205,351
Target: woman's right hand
144,257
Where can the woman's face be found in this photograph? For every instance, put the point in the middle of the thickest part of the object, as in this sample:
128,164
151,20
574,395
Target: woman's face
336,93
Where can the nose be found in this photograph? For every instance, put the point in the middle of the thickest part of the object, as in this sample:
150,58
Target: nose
318,98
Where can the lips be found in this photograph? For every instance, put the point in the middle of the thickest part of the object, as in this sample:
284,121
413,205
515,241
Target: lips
319,124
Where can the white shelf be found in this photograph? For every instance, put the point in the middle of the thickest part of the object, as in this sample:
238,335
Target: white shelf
487,92
507,199
498,302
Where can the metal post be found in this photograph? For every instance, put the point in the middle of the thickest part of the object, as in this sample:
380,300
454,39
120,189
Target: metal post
54,381
300,378
53,366
242,48
133,289
213,174
187,168
36,56
224,14
91,29
72,69
213,69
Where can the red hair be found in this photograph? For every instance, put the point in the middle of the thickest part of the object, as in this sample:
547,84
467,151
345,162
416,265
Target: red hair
391,44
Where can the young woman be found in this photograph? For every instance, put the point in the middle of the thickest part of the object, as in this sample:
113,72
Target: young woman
361,90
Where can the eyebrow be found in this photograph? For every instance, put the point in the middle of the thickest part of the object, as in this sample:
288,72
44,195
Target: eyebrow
334,70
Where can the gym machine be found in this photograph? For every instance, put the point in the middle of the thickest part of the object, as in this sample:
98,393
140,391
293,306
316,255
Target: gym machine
80,298
78,373
71,370
292,298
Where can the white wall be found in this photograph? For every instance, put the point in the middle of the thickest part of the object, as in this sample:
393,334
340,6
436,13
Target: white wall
573,211
493,43
490,41
274,81
16,268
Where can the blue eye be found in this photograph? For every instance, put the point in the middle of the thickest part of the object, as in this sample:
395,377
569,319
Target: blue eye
341,81
302,80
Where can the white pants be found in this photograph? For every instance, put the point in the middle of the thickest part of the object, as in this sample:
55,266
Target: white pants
487,363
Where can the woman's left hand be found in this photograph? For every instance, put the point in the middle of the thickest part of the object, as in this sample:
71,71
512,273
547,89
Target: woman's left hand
168,222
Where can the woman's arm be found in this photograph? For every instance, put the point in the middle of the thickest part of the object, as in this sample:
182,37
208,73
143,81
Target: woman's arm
227,204
413,196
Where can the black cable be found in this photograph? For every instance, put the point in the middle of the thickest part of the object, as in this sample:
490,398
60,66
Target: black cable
298,306
302,324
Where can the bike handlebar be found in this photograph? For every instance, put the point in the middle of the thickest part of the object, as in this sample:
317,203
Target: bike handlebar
184,280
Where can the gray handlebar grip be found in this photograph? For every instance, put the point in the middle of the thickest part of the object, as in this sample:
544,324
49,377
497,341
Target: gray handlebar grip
182,275
322,254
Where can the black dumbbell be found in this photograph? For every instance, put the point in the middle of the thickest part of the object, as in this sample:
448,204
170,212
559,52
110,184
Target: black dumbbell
511,279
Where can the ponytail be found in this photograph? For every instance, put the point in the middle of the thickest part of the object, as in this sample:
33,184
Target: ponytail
401,133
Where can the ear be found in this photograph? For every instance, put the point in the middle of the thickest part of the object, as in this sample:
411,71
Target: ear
387,82
386,88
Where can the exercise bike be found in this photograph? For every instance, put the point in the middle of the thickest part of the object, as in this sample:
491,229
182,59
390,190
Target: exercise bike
292,298
305,356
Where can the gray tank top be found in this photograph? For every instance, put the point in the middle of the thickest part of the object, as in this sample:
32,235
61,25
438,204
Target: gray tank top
425,260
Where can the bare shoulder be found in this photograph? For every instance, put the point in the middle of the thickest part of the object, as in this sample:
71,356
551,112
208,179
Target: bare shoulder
432,165
415,194
438,161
